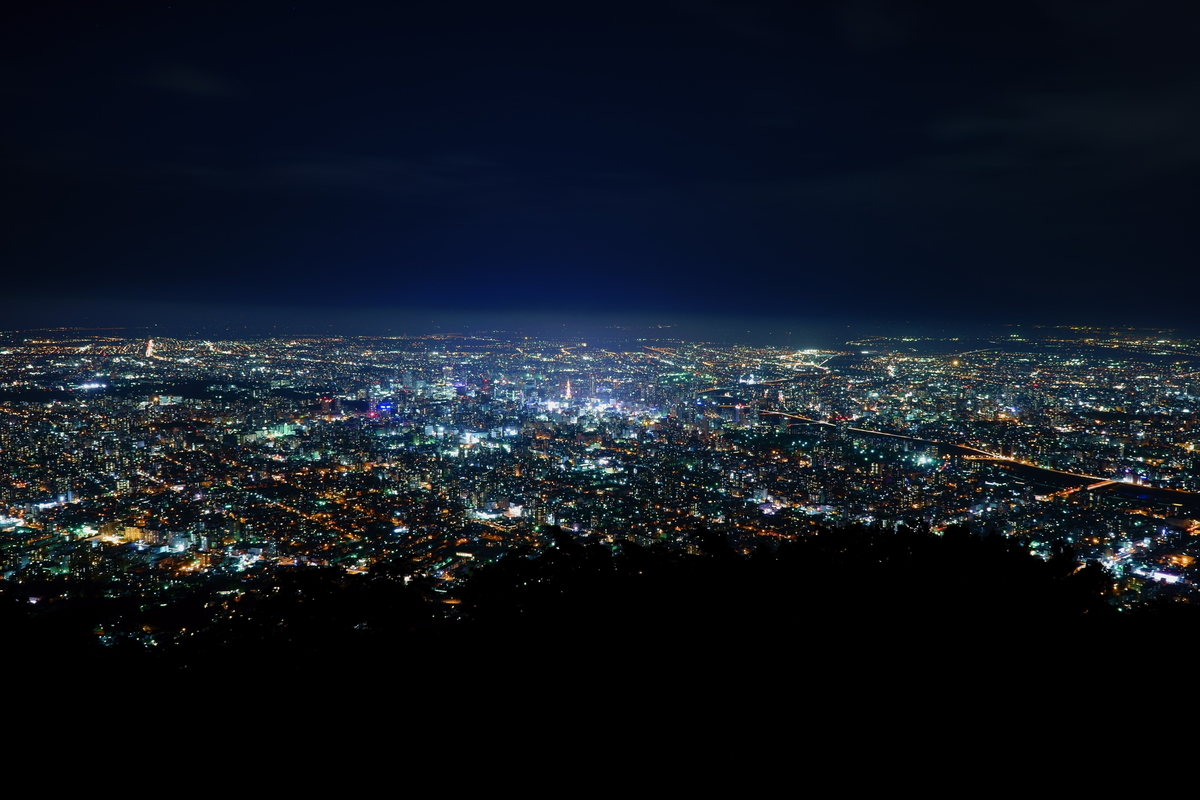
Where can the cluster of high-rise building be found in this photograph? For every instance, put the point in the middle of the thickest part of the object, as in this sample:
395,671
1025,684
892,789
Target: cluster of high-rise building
146,465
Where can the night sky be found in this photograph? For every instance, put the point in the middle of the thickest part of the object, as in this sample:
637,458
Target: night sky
891,161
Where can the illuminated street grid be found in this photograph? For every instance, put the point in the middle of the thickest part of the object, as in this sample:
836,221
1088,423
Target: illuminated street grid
147,463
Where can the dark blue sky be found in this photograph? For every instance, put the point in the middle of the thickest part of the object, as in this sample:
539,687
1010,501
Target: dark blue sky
868,160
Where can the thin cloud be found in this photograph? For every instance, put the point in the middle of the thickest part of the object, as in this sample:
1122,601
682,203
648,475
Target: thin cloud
191,81
1114,134
870,25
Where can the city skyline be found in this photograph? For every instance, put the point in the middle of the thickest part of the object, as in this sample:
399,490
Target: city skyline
161,492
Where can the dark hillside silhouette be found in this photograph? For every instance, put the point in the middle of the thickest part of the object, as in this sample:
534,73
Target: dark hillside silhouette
852,596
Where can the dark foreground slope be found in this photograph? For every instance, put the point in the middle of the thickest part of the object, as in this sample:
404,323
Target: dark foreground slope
845,598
